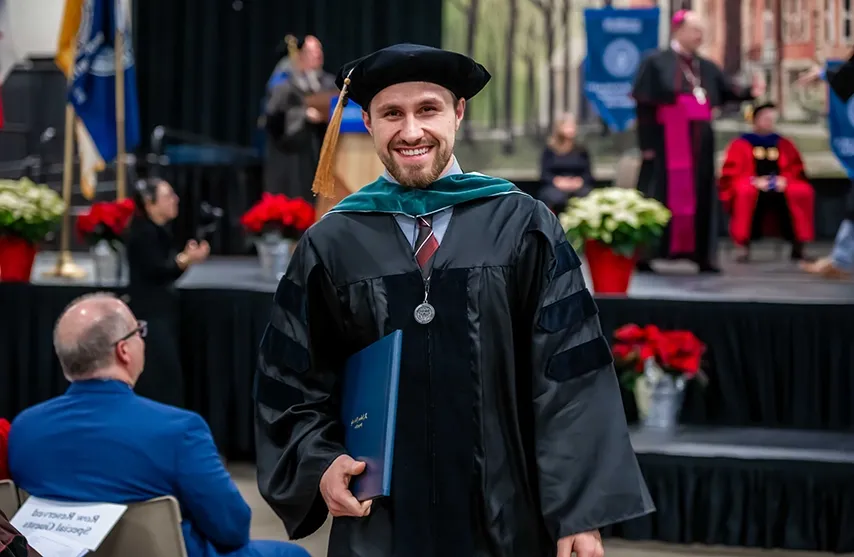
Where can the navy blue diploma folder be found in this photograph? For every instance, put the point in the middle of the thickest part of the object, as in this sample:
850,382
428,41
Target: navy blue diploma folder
369,413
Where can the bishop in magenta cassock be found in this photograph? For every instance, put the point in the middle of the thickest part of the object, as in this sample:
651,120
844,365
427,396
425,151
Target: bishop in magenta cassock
676,90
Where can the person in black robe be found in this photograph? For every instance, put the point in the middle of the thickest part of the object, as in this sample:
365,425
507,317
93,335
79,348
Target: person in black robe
154,266
675,91
565,167
510,437
295,130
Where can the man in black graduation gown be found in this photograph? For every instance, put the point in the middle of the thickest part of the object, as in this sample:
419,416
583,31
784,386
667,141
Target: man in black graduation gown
294,129
676,90
510,437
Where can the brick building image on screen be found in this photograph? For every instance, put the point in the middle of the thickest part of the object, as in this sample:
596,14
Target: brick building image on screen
781,38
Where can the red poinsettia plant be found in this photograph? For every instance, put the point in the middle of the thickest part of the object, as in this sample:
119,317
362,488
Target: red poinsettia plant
677,353
106,220
280,215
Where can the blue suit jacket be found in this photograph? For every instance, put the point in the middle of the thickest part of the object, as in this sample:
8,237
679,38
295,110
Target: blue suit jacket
99,442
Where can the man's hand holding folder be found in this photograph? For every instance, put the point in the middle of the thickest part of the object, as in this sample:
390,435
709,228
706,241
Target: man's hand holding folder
335,488
368,413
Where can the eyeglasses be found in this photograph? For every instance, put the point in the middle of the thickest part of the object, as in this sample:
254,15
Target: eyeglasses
141,328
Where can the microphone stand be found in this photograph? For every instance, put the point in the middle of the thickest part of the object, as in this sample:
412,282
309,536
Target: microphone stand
46,137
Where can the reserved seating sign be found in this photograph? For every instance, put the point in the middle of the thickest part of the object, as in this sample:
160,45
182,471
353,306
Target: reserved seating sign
85,524
52,545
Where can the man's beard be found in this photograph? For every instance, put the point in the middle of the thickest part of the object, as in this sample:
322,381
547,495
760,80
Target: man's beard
417,178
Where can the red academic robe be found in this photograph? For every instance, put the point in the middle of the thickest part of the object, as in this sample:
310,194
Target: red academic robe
739,196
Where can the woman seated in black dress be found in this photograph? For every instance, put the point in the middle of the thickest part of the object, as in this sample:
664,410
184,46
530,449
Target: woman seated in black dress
564,166
155,265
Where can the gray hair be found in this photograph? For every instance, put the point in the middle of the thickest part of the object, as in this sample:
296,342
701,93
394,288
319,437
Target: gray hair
91,349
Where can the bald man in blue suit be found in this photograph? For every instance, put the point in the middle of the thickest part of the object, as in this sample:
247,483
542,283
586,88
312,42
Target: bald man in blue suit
99,442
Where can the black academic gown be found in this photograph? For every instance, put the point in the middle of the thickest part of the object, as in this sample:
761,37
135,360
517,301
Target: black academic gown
154,298
510,427
660,78
293,142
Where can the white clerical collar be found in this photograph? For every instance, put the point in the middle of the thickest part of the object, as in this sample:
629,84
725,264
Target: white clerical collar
453,171
677,48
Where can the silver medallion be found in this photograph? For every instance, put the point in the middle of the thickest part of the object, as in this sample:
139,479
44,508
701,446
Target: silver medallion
424,313
700,95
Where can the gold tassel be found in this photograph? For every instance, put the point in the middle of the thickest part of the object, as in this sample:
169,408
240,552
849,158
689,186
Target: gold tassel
324,179
748,114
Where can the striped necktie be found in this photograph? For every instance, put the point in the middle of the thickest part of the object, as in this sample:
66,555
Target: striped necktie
426,244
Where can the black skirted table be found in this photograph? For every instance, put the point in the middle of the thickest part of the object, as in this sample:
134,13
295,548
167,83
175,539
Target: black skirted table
747,487
771,363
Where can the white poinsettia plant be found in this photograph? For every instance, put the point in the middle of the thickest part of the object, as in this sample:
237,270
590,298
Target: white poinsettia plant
28,210
621,218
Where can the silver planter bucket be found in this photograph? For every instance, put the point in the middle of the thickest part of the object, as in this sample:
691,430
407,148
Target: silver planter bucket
659,398
274,256
108,261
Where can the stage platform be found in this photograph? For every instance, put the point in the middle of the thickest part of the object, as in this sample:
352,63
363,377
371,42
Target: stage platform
747,487
771,277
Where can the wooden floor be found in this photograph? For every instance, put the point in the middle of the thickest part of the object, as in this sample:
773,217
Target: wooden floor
266,526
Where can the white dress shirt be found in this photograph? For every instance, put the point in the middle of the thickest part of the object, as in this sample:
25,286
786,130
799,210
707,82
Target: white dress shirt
409,225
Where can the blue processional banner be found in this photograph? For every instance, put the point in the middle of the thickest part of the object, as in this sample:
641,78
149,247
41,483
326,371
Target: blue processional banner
617,41
840,124
93,87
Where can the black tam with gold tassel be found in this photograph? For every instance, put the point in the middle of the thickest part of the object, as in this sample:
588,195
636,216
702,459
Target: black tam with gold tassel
361,80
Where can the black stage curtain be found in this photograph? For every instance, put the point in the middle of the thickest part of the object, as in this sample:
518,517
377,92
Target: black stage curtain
29,370
220,334
769,365
749,503
202,65
796,505
232,188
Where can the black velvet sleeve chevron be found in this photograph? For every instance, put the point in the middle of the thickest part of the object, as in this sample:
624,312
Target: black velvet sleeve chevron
297,433
588,474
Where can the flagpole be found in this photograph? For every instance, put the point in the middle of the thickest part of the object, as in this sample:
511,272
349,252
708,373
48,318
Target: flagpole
119,55
65,266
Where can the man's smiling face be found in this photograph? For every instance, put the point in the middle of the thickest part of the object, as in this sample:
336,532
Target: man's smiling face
414,127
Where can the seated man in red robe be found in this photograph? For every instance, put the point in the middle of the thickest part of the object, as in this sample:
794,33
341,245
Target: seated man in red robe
763,187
